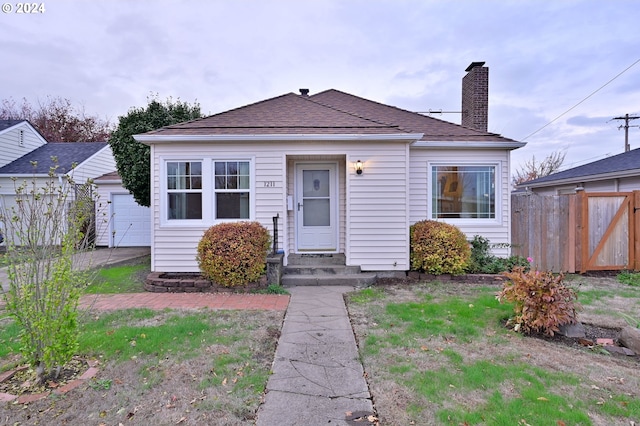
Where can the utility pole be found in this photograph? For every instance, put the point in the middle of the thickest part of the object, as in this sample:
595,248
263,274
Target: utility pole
626,126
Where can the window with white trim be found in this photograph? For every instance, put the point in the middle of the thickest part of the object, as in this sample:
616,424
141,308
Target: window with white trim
184,190
463,191
232,189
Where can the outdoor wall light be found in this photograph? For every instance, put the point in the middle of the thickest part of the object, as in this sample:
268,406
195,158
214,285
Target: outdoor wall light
358,167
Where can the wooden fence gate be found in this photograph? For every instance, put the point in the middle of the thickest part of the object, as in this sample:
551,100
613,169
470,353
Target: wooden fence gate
579,232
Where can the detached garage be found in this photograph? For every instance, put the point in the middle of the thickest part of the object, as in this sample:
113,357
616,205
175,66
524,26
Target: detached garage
120,221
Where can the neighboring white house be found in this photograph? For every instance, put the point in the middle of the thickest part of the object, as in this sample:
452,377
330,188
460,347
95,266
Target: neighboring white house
17,138
618,173
343,174
25,155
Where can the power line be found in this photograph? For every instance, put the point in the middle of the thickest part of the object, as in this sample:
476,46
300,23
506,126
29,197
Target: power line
590,95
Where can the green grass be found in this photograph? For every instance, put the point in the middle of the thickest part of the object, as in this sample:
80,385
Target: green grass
116,335
9,337
457,317
503,390
591,297
118,279
629,278
367,295
273,289
534,398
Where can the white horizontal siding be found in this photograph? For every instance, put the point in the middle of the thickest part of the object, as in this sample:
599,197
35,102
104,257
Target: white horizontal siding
174,248
103,213
378,203
100,163
377,208
374,215
626,184
10,148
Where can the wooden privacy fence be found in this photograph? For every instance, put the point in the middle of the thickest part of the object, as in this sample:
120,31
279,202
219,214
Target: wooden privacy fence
579,232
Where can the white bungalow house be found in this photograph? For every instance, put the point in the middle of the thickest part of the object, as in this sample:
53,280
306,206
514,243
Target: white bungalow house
342,174
26,156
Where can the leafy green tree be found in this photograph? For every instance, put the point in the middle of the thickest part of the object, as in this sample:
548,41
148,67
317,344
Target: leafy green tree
43,234
133,158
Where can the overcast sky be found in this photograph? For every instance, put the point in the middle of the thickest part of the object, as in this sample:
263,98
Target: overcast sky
544,57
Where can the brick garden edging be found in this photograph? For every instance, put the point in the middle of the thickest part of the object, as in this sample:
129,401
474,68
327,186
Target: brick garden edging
31,397
465,278
162,282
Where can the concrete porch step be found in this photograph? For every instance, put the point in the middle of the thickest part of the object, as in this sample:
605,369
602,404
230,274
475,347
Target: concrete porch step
316,259
321,270
362,279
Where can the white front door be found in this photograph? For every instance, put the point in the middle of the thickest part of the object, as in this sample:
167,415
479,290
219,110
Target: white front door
316,207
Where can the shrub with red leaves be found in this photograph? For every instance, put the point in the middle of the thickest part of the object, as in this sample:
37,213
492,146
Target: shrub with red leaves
234,254
542,302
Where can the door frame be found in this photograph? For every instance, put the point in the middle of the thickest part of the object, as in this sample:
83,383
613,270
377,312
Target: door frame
335,198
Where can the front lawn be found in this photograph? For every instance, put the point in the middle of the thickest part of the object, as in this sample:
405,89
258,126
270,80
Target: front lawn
171,367
128,278
438,353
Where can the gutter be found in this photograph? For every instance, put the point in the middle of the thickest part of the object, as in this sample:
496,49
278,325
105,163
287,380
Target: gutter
581,179
162,139
467,145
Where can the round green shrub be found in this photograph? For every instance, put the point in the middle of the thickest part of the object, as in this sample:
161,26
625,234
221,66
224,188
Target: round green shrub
438,248
234,254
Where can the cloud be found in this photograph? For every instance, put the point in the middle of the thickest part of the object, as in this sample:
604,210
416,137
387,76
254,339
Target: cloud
544,58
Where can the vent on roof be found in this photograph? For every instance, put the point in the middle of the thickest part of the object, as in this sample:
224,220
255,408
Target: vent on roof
304,92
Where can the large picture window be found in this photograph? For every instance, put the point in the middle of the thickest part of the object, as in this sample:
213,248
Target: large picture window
463,192
232,188
184,190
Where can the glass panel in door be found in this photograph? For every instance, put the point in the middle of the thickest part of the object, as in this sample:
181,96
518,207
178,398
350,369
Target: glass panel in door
316,198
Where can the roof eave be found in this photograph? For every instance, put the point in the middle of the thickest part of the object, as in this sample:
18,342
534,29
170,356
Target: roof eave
469,144
581,179
163,139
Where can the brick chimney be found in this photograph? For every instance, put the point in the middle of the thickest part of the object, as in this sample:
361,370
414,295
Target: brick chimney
475,97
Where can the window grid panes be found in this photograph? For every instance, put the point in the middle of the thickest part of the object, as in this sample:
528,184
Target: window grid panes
184,190
463,192
232,185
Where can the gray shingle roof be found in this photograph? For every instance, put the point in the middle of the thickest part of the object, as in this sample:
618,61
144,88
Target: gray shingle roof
5,124
67,154
627,161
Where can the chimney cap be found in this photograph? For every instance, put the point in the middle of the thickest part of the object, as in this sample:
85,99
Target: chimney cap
473,65
304,92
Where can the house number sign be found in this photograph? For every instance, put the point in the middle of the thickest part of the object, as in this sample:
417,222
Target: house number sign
269,183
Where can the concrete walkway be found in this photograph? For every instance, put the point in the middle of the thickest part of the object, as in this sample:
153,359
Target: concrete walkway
317,376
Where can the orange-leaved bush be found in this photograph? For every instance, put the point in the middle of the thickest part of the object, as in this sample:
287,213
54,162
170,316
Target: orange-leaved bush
542,302
234,254
438,248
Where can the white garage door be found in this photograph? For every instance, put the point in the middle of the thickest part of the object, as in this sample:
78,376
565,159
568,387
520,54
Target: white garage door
131,222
